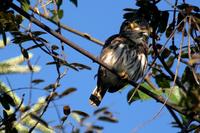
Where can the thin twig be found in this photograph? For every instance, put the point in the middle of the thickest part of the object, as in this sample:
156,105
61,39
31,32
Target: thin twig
58,115
84,35
174,24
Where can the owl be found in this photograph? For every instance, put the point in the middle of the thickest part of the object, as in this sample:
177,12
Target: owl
126,53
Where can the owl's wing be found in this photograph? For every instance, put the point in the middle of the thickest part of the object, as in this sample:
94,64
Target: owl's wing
113,50
125,56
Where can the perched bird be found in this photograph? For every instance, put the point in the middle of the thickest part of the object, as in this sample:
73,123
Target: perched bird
126,53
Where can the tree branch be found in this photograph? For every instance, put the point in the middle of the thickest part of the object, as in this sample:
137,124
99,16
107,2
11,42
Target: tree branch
87,54
176,118
84,35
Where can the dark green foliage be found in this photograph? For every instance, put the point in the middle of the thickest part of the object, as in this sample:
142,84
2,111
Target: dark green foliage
81,113
67,92
5,4
24,4
149,11
6,101
162,80
59,3
21,37
7,121
9,22
37,81
108,119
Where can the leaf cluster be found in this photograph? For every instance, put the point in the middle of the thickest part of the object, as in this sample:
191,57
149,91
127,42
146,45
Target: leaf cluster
183,89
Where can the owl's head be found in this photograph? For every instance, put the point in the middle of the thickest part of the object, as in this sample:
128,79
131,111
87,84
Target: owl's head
136,26
137,30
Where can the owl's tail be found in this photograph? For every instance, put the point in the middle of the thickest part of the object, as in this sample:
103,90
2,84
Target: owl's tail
97,95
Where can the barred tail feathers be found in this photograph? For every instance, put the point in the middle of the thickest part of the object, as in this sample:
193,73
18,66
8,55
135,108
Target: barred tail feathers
97,95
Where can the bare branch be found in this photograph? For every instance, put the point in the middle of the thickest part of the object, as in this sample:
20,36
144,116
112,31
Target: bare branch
84,35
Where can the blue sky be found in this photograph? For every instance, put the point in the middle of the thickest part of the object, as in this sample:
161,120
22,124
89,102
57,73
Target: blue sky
100,19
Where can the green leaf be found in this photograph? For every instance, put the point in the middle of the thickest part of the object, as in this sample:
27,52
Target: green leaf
9,99
67,92
18,19
170,61
63,119
37,33
139,95
196,8
182,6
96,127
195,128
75,2
81,113
76,117
180,22
164,16
142,95
4,103
132,97
4,38
166,52
108,113
54,47
59,3
5,115
51,86
169,30
100,110
24,4
174,94
184,55
80,66
162,80
185,119
108,119
37,81
189,78
60,14
197,39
